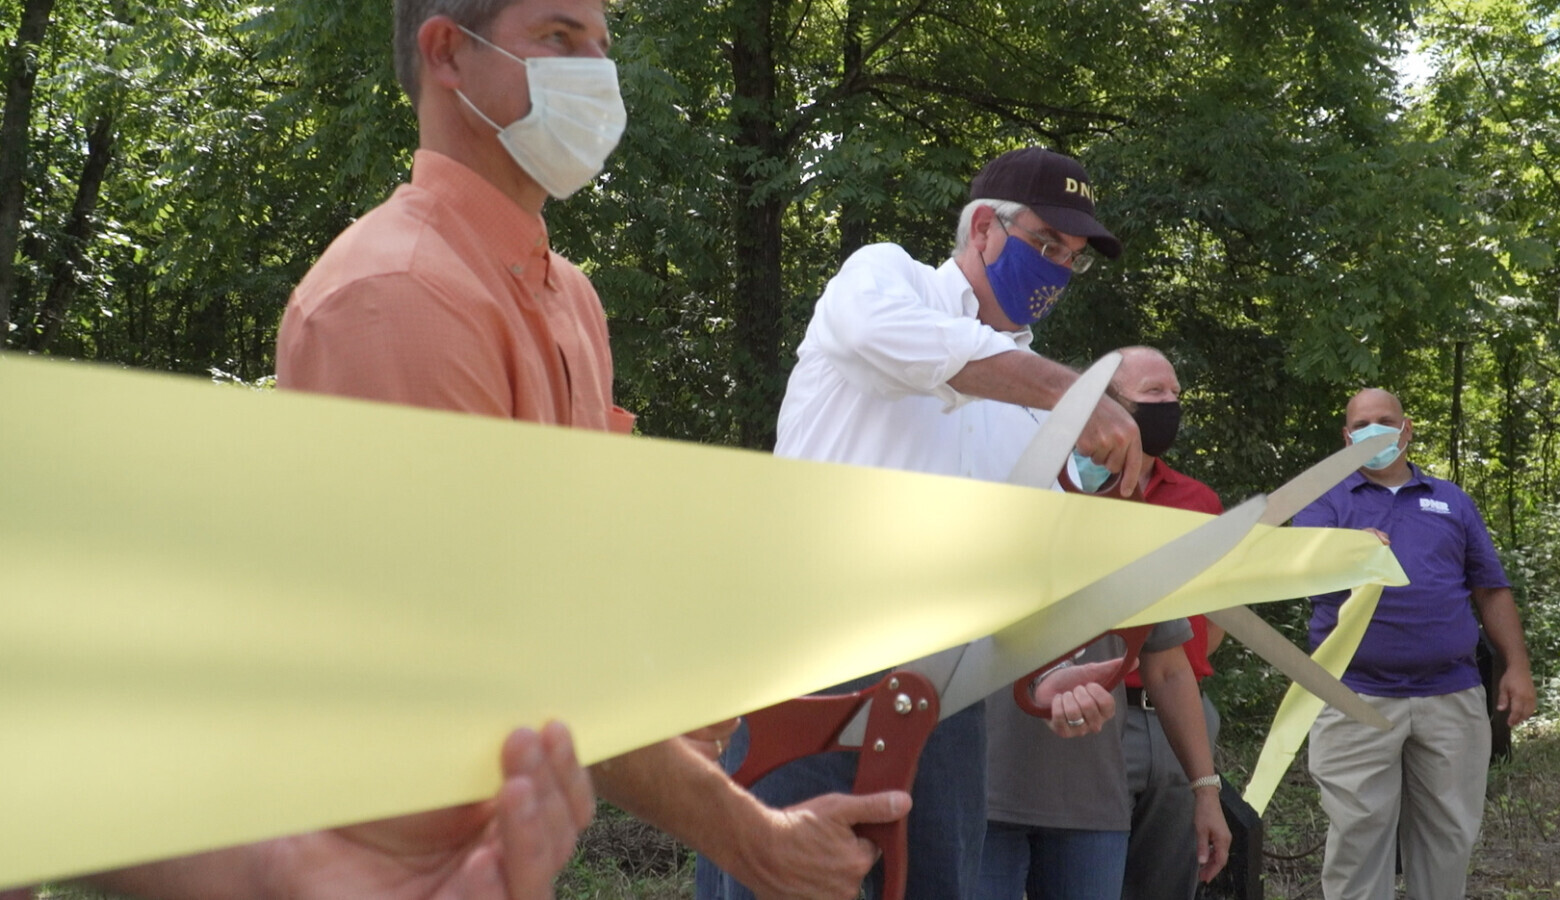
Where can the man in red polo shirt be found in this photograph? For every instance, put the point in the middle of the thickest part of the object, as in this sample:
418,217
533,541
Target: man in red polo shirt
1179,836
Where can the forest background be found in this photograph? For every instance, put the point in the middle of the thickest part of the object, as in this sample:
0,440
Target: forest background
1314,195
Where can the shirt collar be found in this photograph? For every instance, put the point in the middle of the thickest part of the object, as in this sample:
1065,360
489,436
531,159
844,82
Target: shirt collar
1160,474
952,279
513,235
1356,480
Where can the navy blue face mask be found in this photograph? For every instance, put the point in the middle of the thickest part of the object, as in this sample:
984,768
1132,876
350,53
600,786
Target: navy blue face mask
1026,284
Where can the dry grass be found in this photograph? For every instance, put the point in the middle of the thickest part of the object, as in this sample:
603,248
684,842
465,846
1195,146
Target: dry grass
619,856
1518,855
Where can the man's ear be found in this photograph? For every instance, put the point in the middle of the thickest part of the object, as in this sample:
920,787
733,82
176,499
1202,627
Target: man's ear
981,221
437,40
1408,431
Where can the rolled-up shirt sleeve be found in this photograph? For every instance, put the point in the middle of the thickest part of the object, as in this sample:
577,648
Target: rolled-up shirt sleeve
875,326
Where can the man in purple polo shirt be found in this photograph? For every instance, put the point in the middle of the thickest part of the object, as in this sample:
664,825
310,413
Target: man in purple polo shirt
1418,788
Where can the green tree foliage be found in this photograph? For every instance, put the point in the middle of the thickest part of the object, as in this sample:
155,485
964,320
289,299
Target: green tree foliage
1297,223
1488,386
229,166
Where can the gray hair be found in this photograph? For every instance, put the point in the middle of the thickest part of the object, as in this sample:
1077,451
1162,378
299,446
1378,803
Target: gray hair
410,15
1006,210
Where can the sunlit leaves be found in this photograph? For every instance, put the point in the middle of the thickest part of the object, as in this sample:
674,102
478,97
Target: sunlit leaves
1293,226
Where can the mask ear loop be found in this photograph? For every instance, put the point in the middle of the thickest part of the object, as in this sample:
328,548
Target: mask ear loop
1004,226
491,46
480,114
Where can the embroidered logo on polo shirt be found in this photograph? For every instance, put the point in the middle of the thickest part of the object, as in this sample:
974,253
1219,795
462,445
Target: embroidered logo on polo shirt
1435,506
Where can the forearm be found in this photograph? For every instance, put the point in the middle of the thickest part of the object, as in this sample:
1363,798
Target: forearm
808,850
1503,624
1515,694
1111,436
236,873
677,790
1169,680
1015,377
1178,703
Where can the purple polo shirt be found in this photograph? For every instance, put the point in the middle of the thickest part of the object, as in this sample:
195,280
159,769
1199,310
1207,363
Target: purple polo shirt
1421,641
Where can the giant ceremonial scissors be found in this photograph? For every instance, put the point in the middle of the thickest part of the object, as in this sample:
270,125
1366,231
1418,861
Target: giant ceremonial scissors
1039,467
888,724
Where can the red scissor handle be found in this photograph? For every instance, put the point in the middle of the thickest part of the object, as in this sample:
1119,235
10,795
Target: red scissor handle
1023,689
905,709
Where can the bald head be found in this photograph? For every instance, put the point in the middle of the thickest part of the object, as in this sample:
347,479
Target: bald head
1145,376
1373,406
1146,385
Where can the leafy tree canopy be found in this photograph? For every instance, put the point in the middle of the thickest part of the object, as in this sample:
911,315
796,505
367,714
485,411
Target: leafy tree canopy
1298,221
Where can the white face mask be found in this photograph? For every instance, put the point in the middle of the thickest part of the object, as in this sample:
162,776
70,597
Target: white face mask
575,120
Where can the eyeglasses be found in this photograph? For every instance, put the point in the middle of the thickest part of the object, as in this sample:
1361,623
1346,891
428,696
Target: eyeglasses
1078,260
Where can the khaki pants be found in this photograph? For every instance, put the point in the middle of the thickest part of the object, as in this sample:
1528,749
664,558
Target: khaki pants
1419,786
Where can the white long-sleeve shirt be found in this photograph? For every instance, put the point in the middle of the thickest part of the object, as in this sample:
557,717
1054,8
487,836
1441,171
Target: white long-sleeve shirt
870,386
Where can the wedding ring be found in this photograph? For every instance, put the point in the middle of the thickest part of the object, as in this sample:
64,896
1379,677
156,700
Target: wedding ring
719,747
1075,722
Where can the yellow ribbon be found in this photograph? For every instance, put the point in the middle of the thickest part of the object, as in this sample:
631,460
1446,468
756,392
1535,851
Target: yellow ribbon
1300,707
230,615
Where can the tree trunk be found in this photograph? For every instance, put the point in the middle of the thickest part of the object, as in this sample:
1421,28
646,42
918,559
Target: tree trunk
1510,421
78,233
21,76
757,221
1454,440
854,222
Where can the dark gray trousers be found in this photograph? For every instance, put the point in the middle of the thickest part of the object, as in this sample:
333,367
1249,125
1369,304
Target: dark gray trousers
1162,851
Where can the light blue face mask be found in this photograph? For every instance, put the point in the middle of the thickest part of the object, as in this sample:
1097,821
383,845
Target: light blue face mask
1384,458
1091,475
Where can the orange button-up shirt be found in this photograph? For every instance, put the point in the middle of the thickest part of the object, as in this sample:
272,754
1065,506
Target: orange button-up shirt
447,296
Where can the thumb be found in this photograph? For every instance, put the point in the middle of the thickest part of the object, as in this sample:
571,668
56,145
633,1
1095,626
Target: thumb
887,806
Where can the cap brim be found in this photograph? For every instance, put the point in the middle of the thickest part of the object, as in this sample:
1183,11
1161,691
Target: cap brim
1072,221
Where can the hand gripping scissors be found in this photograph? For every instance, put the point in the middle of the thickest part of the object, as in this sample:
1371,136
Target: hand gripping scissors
888,724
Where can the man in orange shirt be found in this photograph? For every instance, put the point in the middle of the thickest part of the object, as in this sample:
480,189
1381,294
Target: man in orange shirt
447,296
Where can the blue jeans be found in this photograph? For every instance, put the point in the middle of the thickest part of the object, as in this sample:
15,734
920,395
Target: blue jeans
1051,863
947,820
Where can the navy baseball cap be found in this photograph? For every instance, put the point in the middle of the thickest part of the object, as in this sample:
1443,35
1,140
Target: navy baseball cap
1055,186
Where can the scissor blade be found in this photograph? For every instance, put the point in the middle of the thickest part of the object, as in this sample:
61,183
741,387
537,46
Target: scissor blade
972,671
1264,640
1038,466
1043,459
1019,649
1299,491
